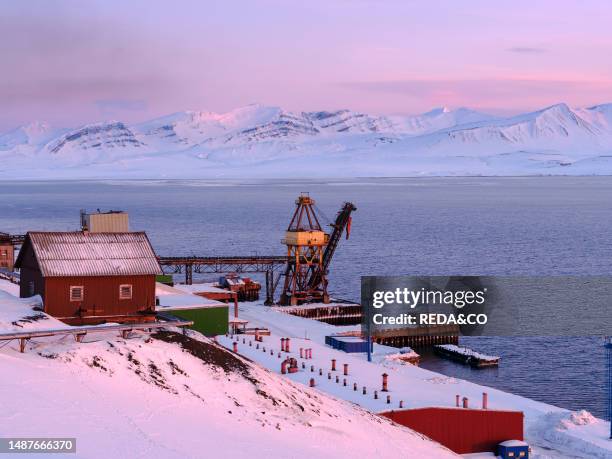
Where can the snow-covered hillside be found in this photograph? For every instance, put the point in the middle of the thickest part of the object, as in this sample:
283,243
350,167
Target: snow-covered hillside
174,396
266,142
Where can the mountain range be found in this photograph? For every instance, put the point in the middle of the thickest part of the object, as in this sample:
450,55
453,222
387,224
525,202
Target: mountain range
269,142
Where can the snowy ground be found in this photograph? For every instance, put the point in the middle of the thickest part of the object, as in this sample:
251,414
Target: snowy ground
552,431
174,396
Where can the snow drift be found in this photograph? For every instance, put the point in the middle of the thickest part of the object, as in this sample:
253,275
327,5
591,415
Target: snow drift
170,395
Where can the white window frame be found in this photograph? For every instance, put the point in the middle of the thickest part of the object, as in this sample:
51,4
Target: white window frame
121,287
81,296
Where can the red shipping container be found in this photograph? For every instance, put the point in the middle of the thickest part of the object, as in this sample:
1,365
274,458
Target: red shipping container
462,430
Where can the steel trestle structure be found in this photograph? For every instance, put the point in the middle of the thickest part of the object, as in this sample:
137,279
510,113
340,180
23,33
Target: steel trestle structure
271,266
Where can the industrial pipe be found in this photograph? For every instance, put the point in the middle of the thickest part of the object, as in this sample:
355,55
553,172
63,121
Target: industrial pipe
385,377
282,340
287,345
345,369
465,402
333,368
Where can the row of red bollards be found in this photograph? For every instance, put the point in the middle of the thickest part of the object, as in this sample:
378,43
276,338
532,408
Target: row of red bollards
290,365
466,403
305,353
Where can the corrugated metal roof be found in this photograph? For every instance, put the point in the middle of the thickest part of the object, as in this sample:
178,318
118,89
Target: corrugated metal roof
94,254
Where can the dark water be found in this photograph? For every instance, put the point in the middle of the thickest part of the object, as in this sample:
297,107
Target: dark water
463,226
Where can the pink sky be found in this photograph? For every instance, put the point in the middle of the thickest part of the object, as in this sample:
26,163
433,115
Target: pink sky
132,61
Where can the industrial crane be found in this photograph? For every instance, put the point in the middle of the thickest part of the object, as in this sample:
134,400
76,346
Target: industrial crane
309,252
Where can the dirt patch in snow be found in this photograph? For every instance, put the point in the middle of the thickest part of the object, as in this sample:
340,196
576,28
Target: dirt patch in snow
28,320
208,353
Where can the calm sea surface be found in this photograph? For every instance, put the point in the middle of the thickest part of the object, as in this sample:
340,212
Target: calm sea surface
435,226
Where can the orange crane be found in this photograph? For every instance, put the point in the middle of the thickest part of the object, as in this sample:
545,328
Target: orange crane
309,252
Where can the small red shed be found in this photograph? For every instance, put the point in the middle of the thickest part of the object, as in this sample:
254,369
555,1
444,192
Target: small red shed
87,278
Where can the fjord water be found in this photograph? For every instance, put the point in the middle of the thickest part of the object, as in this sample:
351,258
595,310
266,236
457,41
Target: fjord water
425,226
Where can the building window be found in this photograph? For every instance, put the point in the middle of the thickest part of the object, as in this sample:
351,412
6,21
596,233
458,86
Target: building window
125,292
77,292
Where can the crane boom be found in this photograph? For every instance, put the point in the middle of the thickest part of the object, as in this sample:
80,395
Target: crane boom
343,219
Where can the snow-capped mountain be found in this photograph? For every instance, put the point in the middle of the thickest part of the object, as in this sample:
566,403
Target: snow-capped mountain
99,136
33,134
263,141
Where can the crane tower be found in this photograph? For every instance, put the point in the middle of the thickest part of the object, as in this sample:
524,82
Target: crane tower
305,241
309,251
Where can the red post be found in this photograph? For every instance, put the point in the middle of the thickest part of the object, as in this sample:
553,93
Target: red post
235,346
485,400
282,340
465,402
457,397
301,353
287,348
284,367
385,377
333,365
312,382
401,404
346,369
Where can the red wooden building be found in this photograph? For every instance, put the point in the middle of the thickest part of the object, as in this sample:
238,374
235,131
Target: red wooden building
6,252
87,278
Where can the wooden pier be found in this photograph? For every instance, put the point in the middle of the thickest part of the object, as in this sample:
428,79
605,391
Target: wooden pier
418,337
333,313
466,356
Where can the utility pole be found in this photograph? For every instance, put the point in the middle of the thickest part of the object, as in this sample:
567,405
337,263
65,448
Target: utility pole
608,346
